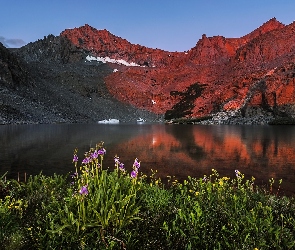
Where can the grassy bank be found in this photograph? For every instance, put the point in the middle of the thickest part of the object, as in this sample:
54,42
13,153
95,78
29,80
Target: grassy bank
120,208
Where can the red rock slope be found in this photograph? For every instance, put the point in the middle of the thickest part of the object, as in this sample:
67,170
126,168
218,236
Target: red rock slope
256,70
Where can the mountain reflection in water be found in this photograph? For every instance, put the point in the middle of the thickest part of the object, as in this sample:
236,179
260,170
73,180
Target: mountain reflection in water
175,150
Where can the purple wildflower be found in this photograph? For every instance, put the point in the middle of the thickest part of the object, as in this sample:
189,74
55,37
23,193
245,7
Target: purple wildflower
83,190
133,174
116,159
237,173
136,164
86,160
74,175
75,158
95,154
102,151
121,166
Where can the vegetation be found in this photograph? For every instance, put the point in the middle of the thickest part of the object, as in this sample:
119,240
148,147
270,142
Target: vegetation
112,208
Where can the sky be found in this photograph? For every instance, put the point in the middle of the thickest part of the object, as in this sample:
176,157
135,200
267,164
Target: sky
172,25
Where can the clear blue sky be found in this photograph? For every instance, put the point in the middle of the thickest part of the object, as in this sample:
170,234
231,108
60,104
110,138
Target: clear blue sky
173,25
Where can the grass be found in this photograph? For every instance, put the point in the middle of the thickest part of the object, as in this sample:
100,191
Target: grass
120,208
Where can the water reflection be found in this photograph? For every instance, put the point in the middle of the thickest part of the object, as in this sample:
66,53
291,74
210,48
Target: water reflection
179,150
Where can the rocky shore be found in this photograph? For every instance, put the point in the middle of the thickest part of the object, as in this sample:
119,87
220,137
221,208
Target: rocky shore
236,118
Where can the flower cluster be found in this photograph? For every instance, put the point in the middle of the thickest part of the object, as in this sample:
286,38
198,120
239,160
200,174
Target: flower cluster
75,158
84,190
90,156
119,164
136,166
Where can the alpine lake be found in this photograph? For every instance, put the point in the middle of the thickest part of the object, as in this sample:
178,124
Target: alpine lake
262,151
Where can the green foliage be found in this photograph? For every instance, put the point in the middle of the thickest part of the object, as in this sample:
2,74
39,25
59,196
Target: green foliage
11,210
111,209
99,204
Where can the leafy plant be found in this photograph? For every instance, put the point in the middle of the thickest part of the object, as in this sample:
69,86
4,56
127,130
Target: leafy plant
102,202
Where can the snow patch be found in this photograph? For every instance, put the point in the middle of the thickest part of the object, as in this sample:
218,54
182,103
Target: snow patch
140,120
110,60
109,121
115,70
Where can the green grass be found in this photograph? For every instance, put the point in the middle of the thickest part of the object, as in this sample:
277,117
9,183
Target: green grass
109,209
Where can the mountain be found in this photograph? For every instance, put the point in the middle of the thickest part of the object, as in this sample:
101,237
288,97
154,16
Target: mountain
244,74
229,80
46,82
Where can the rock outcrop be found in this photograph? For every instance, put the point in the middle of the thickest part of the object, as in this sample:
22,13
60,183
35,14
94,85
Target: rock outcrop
13,71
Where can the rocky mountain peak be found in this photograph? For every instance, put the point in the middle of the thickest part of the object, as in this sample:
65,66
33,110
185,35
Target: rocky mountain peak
268,26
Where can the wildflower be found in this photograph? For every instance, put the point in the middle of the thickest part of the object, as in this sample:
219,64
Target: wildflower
74,175
86,160
136,164
102,151
133,174
121,166
84,190
75,158
94,155
116,159
237,173
205,178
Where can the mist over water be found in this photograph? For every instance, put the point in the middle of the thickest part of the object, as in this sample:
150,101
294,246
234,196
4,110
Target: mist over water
175,150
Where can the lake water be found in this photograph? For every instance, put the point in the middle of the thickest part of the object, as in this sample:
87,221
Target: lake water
176,150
